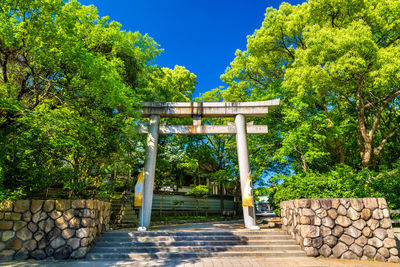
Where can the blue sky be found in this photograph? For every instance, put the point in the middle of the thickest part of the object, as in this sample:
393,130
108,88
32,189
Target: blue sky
200,35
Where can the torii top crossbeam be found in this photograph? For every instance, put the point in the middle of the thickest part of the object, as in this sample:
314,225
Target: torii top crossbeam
208,109
198,110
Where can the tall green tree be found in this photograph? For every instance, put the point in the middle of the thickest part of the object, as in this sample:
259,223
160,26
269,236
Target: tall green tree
70,85
335,66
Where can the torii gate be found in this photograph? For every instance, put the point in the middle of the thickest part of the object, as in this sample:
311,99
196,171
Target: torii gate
155,110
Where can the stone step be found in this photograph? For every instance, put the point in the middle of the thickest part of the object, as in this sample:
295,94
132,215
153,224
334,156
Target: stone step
190,238
194,233
172,249
196,243
136,256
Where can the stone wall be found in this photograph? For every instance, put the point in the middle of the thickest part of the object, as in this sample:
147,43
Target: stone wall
341,228
41,229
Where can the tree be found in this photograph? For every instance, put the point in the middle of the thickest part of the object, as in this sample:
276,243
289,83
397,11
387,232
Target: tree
335,66
69,87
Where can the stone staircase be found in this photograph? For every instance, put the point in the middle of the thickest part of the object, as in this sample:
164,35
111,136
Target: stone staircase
194,244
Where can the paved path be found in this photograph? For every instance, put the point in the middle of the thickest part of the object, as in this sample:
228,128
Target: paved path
209,262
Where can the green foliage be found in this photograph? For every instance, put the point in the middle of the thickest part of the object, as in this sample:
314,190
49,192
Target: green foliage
340,182
198,190
334,65
71,84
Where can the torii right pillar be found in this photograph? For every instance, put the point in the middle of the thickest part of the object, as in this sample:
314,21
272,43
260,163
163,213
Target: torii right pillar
249,214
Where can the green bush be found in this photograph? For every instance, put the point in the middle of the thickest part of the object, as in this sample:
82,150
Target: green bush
340,182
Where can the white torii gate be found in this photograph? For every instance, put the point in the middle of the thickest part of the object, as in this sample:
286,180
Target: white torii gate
155,110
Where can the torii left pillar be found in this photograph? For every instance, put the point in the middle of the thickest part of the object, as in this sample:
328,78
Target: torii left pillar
149,170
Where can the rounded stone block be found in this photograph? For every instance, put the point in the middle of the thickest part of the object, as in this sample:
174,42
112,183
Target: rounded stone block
303,220
367,232
68,215
382,203
48,205
303,203
337,231
356,249
389,243
38,254
330,240
80,253
68,233
369,251
352,231
332,213
394,259
6,225
21,254
343,221
377,214
361,241
386,223
38,235
84,232
379,257
311,252
370,203
74,243
63,253
61,223
305,231
375,242
384,252
326,203
6,205
339,249
314,204
359,224
86,242
346,239
345,202
356,204
325,250
24,234
341,210
366,214
7,235
18,225
21,205
30,245
27,216
321,213
353,214
74,223
78,204
335,203
325,231
328,222
380,233
32,227
63,205
57,242
349,255
14,244
36,205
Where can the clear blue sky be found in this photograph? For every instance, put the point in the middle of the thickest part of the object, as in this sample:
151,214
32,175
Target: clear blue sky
201,35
